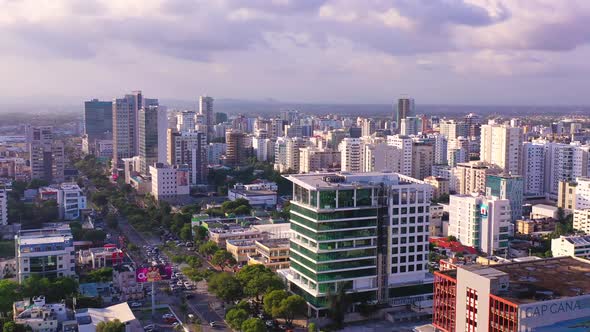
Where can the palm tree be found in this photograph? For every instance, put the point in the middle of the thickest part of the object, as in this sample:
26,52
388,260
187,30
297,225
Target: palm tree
338,304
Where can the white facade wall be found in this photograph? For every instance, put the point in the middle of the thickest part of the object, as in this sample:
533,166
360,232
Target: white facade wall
351,157
405,144
533,169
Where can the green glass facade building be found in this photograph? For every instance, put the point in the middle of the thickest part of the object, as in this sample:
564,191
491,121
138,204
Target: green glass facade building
364,233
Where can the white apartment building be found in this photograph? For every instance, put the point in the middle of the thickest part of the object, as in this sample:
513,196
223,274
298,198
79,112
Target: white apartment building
47,252
533,172
351,156
405,144
169,182
582,193
263,148
3,207
502,145
481,222
576,246
380,157
292,152
440,149
582,220
185,121
214,152
313,159
281,154
70,201
558,165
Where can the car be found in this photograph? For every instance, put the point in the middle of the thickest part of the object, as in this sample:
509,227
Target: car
212,324
167,316
170,320
175,324
179,283
269,323
149,328
187,284
283,327
135,304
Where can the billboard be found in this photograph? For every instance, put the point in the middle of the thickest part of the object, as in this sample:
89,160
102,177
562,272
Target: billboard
570,314
153,273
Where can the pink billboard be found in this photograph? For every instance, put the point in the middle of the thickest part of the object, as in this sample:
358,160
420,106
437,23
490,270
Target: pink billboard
153,273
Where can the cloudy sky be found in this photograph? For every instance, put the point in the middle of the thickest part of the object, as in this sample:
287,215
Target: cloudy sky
350,51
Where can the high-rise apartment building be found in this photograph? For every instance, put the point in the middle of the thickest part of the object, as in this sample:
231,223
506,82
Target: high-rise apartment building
405,108
148,138
452,129
365,233
98,121
382,157
46,154
440,149
481,222
185,121
238,149
206,109
472,176
533,172
312,159
422,160
189,148
294,144
351,154
3,207
502,145
126,125
508,187
405,144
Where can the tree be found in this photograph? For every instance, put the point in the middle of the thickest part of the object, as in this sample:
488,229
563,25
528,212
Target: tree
253,325
186,232
312,327
236,317
208,248
13,327
338,304
272,301
9,293
225,286
242,210
451,238
201,233
112,221
244,305
100,275
223,258
260,284
560,214
292,307
111,326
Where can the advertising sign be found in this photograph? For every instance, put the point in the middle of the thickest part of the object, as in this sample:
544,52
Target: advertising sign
153,273
570,314
484,210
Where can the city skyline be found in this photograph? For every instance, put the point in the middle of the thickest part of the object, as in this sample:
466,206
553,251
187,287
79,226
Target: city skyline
439,52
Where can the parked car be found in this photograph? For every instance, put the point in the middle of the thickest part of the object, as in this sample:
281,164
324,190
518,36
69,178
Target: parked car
135,304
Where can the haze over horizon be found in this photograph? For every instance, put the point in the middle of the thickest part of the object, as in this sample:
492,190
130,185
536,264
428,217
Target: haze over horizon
471,52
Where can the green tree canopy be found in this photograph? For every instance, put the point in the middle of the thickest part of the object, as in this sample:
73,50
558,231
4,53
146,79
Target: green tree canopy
292,307
208,248
223,258
9,293
236,317
111,326
253,325
225,286
272,301
201,233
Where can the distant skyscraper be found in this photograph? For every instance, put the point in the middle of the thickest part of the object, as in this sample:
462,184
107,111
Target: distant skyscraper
206,109
148,138
186,121
46,155
189,148
98,119
405,108
126,126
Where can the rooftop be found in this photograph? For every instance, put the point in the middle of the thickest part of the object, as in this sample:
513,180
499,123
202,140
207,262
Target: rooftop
543,279
44,239
580,240
348,180
275,243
